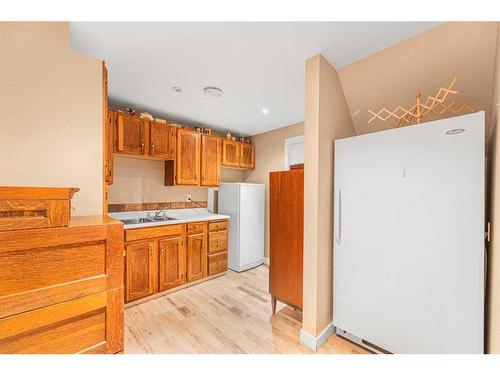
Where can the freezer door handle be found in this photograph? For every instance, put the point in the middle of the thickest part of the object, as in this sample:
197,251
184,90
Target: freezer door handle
338,215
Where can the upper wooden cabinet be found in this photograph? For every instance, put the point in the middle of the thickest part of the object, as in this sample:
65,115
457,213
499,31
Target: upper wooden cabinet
161,140
130,135
210,160
237,154
247,155
230,153
188,157
134,136
108,147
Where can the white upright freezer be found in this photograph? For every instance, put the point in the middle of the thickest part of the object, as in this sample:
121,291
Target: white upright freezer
409,263
245,204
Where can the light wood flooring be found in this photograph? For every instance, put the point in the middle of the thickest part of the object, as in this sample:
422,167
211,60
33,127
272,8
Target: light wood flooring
229,314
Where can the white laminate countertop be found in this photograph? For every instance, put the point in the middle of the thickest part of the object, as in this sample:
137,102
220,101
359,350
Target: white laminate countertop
186,215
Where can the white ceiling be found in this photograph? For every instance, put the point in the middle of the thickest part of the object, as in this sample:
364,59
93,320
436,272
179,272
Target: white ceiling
257,65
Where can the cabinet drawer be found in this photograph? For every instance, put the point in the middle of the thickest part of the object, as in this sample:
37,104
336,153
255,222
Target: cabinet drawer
217,263
217,241
88,324
215,226
153,232
198,227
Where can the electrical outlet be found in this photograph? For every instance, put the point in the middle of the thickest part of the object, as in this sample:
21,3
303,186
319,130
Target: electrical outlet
188,197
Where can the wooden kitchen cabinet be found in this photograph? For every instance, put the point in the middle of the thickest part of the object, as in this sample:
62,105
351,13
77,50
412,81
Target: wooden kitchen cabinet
172,263
130,134
230,153
164,257
238,154
188,157
210,160
197,248
140,266
161,140
109,140
247,155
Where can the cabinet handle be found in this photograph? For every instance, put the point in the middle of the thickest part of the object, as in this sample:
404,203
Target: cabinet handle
152,147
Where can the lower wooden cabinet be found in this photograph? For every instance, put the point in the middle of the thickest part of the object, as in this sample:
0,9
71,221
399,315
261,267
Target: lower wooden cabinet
217,263
140,266
171,263
196,256
164,257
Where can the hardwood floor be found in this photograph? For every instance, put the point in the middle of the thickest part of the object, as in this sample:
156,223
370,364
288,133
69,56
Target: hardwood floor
229,314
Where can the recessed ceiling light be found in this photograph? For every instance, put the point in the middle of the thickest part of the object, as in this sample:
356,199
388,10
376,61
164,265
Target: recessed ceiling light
213,91
177,89
265,111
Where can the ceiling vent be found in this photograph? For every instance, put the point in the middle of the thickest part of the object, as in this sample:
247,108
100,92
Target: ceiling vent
213,91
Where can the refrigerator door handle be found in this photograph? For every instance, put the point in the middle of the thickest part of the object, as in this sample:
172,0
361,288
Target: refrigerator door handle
338,215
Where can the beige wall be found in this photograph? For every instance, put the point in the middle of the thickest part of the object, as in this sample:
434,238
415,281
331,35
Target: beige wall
389,78
493,296
327,118
51,111
270,157
141,181
57,32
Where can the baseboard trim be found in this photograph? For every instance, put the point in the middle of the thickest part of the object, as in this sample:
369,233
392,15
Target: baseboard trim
266,261
313,342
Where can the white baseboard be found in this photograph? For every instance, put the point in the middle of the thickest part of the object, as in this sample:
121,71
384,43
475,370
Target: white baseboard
313,342
266,261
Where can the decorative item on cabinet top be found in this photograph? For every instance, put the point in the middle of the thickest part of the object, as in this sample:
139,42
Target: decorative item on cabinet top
34,207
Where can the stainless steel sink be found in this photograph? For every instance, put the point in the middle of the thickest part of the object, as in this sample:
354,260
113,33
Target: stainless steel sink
147,219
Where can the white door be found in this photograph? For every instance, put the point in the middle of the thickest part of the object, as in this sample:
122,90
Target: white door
408,237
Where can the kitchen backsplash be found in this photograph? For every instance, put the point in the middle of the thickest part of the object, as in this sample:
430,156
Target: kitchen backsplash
123,207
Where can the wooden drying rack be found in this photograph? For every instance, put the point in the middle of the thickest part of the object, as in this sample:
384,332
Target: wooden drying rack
434,104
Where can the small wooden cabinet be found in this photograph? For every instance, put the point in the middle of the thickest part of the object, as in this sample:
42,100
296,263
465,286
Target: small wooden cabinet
172,262
247,155
230,153
197,252
217,247
164,257
237,154
139,269
210,160
130,135
188,157
162,142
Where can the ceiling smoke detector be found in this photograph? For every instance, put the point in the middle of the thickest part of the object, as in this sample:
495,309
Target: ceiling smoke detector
177,89
213,91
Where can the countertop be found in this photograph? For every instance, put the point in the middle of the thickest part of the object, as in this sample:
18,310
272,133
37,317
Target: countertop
187,215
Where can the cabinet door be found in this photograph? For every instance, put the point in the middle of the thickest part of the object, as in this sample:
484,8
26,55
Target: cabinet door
139,269
172,141
247,157
172,263
159,140
196,256
230,153
131,135
188,157
210,160
108,148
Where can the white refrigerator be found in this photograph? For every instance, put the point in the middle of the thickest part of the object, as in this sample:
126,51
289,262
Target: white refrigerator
245,204
409,259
